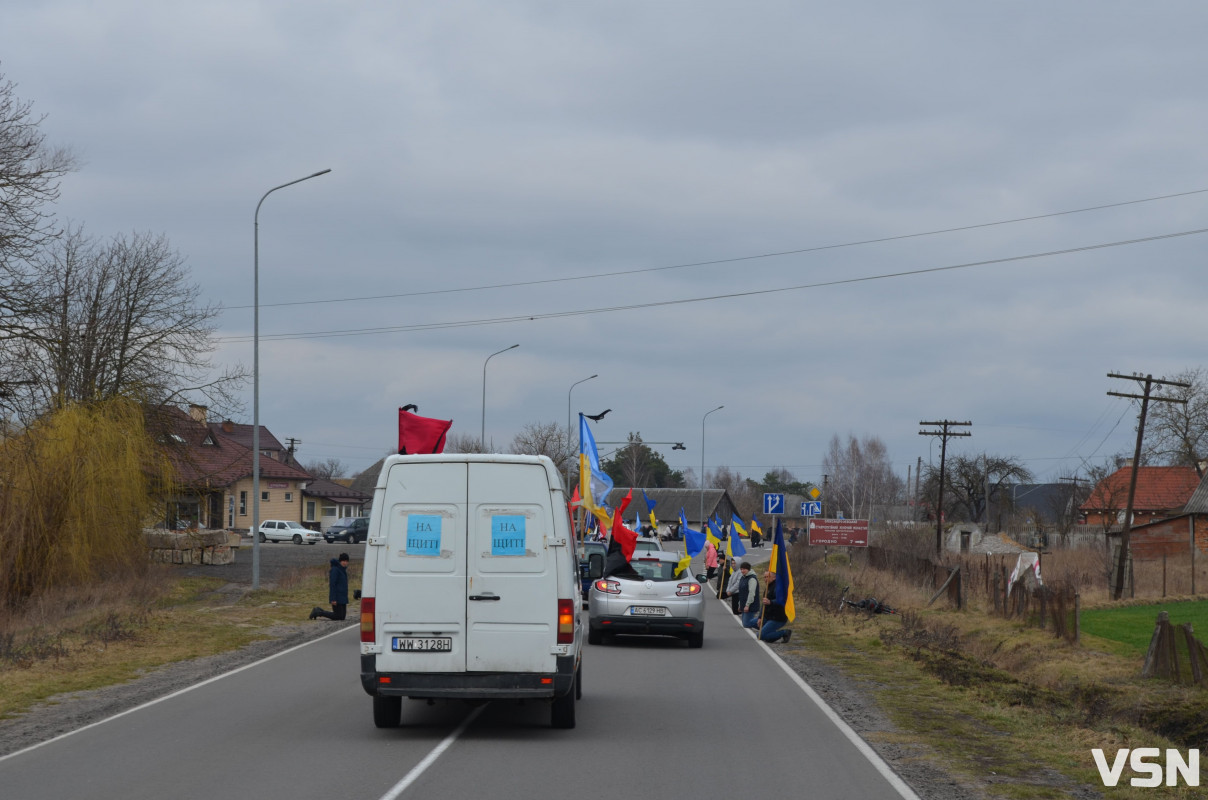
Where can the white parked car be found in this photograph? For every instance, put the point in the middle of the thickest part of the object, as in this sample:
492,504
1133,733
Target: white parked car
280,530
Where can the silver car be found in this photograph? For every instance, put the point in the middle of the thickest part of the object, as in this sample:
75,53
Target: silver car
647,598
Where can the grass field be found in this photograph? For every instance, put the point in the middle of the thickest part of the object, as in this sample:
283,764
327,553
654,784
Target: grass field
1133,625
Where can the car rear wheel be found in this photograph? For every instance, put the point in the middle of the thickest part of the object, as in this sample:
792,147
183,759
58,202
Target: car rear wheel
297,538
387,711
595,636
262,538
696,639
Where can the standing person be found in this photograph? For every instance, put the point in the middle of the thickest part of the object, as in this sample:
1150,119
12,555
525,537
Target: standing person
337,590
774,618
748,596
710,560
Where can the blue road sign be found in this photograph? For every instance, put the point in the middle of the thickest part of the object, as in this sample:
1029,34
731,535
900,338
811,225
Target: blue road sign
811,508
773,503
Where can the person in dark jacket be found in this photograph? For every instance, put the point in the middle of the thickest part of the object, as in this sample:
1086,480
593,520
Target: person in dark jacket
748,596
774,618
337,590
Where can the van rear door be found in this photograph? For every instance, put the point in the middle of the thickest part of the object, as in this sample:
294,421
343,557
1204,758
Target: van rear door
423,626
512,592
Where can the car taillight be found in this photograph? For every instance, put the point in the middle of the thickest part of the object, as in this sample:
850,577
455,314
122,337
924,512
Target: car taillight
687,589
367,620
608,587
566,621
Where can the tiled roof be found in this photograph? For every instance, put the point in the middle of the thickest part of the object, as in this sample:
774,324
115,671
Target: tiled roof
1158,489
205,457
1198,504
668,503
242,434
321,487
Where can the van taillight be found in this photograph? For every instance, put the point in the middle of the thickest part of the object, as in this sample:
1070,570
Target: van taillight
367,620
566,622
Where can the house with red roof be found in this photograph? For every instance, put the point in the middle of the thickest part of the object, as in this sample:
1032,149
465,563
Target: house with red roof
213,463
1161,492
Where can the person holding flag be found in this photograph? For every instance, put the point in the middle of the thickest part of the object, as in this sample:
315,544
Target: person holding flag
756,533
778,609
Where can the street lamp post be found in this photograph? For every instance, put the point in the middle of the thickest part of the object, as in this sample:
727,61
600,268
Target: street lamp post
702,462
568,428
256,377
482,439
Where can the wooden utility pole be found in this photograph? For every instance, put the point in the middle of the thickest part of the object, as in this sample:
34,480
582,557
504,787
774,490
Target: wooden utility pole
1148,382
944,435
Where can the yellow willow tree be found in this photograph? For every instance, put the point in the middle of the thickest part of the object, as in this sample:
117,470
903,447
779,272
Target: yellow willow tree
76,489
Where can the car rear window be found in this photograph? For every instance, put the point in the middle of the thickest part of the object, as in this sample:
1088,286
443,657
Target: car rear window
654,570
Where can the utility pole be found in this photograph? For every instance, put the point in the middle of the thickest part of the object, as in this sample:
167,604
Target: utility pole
1148,382
918,474
944,435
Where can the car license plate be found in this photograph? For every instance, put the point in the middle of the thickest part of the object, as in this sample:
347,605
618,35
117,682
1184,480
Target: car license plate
423,644
648,611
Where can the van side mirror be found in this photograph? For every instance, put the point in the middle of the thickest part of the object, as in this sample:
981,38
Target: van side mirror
595,566
356,594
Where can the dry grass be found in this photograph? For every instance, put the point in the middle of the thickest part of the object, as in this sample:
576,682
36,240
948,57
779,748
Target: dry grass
1010,706
76,639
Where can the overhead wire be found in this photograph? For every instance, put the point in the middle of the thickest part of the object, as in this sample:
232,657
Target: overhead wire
733,260
532,317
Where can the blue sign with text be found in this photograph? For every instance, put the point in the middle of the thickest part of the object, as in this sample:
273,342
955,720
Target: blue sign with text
423,535
507,535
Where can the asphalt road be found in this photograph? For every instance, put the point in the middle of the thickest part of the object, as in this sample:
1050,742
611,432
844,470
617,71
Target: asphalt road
656,719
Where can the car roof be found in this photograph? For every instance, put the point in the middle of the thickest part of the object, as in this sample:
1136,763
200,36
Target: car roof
659,555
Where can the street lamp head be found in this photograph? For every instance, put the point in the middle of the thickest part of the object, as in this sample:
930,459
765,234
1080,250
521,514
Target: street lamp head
679,446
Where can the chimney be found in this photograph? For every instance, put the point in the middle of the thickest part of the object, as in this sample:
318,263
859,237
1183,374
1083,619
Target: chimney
228,426
198,413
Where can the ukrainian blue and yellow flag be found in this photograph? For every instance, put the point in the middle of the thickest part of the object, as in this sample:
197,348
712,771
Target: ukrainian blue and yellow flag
650,504
694,541
594,484
713,533
736,526
784,577
734,544
754,527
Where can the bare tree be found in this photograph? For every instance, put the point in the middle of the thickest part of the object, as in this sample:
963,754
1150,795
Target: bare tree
464,443
546,439
29,178
859,476
124,321
327,468
1177,433
974,482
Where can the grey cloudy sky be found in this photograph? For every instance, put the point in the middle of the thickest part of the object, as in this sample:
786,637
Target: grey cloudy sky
474,144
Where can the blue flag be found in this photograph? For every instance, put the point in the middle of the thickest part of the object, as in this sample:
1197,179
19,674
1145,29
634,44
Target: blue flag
784,577
736,548
694,541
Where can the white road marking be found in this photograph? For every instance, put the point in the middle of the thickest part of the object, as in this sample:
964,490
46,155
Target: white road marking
179,692
430,759
899,785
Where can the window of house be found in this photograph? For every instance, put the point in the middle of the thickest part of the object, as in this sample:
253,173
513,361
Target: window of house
310,510
243,504
329,511
289,497
264,497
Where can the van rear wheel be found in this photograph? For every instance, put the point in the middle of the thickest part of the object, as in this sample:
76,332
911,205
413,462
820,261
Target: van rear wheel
562,713
387,711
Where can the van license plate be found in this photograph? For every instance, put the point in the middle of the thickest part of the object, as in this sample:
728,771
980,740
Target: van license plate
649,611
423,644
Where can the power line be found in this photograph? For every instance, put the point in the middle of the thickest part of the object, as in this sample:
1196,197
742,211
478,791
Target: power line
734,260
684,301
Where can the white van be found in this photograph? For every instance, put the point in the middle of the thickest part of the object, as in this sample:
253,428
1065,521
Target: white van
471,585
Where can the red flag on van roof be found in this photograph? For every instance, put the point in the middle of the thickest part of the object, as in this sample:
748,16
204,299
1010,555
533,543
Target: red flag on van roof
627,539
418,434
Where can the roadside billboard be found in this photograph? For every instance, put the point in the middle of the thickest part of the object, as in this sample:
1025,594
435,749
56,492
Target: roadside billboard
839,532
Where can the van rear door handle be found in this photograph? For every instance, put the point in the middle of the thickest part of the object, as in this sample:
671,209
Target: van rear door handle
484,596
